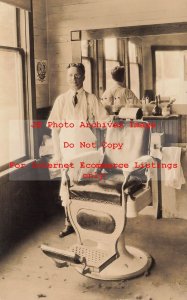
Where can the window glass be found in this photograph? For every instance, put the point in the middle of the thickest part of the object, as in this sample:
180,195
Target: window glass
110,48
12,106
88,75
135,79
13,86
84,48
132,52
8,35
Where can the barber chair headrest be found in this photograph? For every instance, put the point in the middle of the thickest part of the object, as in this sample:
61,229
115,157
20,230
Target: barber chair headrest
130,113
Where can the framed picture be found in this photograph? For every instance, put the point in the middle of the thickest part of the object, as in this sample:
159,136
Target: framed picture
76,35
41,71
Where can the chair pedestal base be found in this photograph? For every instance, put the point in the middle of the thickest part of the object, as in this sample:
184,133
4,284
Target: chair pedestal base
125,266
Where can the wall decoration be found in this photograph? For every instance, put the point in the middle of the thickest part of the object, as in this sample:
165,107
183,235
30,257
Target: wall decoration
41,71
76,35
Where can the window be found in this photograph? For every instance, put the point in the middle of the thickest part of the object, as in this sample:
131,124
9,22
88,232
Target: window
111,49
134,68
85,53
88,71
111,59
85,48
13,98
170,73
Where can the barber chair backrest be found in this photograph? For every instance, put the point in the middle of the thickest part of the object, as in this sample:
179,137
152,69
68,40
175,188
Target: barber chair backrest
135,142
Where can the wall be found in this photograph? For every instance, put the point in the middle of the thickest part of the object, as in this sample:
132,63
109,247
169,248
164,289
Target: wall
67,15
40,48
25,199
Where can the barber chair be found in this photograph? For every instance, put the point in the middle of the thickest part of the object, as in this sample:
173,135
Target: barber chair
98,209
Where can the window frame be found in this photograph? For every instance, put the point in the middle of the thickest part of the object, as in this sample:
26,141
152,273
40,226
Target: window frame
24,46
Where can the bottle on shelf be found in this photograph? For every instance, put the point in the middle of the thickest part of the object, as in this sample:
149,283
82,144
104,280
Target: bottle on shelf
157,110
145,103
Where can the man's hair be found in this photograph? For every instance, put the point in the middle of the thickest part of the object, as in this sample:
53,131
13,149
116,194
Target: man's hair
118,73
80,67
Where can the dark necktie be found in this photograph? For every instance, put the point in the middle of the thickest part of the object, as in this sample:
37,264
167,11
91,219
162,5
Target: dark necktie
75,99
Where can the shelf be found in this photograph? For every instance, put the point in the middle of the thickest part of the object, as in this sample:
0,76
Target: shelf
161,117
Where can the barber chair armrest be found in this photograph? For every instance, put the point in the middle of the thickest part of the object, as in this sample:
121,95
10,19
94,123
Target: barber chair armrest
137,176
145,159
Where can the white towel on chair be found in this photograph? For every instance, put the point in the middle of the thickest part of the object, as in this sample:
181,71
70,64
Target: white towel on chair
174,177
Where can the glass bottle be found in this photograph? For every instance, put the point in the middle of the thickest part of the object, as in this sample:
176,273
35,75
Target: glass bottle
157,110
145,102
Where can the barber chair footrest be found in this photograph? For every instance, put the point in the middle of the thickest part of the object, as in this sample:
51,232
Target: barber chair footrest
95,259
133,263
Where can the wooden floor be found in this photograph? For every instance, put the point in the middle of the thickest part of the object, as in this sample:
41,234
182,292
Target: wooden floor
27,274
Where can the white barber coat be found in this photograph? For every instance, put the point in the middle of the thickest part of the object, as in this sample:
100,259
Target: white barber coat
88,109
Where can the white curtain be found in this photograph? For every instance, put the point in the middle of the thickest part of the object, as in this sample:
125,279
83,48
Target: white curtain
25,4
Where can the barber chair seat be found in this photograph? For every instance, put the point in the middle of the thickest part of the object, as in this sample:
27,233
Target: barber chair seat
98,210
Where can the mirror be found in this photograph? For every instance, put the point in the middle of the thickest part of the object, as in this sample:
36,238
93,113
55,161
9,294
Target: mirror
155,58
170,72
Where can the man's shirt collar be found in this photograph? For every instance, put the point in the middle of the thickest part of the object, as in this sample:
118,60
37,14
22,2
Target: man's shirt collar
79,92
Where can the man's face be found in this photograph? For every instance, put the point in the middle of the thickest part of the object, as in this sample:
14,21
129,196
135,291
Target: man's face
75,78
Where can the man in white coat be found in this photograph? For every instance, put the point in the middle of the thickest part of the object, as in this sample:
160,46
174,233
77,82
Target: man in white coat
74,105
